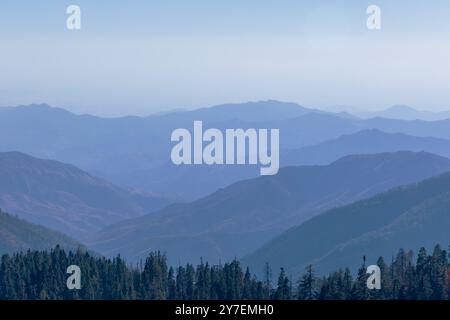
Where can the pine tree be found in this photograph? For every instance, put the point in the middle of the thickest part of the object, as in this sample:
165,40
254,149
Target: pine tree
172,285
438,265
283,291
423,272
384,292
306,286
248,291
155,276
359,289
268,280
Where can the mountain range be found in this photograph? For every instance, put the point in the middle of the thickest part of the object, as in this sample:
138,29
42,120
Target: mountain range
135,151
236,220
334,161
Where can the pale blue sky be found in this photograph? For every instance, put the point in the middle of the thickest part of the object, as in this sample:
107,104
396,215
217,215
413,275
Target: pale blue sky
138,57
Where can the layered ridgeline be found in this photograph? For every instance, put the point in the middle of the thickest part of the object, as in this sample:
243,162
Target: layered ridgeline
19,235
406,217
405,113
135,151
364,142
236,220
64,198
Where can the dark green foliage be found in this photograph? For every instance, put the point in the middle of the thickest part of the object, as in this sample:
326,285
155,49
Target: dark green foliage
283,291
306,286
38,275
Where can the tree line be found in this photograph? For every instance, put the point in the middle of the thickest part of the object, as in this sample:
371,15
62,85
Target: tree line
37,275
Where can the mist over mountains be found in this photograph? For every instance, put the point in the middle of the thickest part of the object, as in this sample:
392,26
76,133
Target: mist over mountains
135,151
110,183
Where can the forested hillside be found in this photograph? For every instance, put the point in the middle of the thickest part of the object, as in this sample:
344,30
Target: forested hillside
17,234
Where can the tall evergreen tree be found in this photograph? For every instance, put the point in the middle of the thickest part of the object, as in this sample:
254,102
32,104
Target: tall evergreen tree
359,289
306,286
283,291
438,266
423,272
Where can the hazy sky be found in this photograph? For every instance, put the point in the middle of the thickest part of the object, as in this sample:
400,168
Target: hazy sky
138,57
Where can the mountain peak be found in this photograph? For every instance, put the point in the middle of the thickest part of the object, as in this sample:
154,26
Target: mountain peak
37,109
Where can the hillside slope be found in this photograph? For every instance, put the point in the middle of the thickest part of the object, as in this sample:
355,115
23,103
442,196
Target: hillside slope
65,198
17,234
405,217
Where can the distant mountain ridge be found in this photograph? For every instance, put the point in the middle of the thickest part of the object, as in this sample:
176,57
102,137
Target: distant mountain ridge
402,112
19,235
269,110
135,151
65,198
370,141
236,220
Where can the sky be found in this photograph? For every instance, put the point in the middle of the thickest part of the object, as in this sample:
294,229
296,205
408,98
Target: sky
139,57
